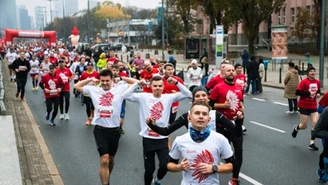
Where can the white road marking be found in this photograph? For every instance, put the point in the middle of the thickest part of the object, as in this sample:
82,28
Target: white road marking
266,126
283,104
258,99
247,178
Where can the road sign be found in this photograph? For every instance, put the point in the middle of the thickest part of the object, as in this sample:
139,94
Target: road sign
150,26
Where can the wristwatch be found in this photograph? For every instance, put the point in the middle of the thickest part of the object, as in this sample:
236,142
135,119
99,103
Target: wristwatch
214,168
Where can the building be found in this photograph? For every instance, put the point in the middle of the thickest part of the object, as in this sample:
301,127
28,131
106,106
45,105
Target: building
8,18
32,22
71,7
25,21
39,17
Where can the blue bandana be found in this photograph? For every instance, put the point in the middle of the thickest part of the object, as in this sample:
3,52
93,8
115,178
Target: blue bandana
198,136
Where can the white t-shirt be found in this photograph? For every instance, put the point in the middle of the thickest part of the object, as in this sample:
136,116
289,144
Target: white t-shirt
196,76
11,57
210,151
45,68
34,67
158,108
107,104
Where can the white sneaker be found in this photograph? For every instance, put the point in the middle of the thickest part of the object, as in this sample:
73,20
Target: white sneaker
289,112
296,112
244,128
61,116
66,117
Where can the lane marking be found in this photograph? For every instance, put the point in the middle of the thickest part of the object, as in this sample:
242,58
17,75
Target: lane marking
247,178
283,104
266,126
258,99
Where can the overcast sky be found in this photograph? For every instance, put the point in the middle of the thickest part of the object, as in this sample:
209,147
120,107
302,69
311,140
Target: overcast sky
30,4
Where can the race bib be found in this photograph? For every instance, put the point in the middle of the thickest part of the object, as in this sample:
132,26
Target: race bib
21,67
53,92
34,70
105,111
65,79
150,132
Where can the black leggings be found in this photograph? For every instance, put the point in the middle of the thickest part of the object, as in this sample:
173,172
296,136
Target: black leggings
89,105
63,95
49,103
237,142
292,104
21,82
152,147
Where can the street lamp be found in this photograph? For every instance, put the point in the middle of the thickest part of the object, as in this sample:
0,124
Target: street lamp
50,2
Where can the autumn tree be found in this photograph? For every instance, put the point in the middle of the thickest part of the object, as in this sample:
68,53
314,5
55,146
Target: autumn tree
302,26
111,12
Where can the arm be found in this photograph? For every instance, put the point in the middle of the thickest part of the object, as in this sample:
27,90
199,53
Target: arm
219,105
28,66
130,81
165,131
129,95
224,121
184,92
79,86
287,78
302,93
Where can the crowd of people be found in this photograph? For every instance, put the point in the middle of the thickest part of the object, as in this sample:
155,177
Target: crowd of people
214,122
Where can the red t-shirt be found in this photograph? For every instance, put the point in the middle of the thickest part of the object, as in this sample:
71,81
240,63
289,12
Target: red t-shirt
241,80
2,49
53,60
86,75
214,81
113,60
324,100
168,88
66,75
222,92
307,85
52,83
147,76
123,74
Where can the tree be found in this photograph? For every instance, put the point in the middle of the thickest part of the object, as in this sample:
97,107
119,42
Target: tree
252,13
175,30
302,26
111,12
316,21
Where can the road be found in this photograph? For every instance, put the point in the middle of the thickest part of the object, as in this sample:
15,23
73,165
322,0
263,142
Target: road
271,155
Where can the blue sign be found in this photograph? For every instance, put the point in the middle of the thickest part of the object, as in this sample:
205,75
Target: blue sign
150,26
159,15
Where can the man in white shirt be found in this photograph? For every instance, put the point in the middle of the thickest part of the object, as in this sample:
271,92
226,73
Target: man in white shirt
155,106
10,58
107,101
194,75
200,150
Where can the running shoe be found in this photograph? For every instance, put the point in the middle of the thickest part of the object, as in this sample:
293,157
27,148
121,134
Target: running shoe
61,117
234,181
17,94
66,116
321,176
244,128
289,112
313,147
156,181
295,131
36,88
47,116
33,89
296,112
52,122
88,122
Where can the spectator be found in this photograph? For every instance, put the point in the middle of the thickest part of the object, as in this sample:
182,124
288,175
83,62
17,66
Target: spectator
259,80
291,82
252,75
245,58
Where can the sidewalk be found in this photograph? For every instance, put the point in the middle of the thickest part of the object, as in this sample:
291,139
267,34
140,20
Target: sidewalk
36,164
272,72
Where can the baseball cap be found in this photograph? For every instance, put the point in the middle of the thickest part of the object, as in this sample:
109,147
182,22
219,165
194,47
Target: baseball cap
52,67
194,61
90,64
60,61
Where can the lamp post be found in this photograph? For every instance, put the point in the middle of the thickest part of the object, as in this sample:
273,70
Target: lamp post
322,41
64,19
88,24
163,47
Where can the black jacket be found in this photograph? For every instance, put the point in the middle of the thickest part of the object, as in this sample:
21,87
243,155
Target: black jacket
17,64
253,70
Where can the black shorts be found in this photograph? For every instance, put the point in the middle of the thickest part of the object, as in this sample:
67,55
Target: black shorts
107,139
307,111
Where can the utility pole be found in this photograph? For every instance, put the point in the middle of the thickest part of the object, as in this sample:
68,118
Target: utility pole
50,2
167,21
88,26
64,19
322,41
163,47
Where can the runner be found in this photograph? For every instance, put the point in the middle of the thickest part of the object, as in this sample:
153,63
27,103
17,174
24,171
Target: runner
89,73
44,66
80,68
156,105
66,76
10,58
52,59
194,75
146,74
226,97
21,67
219,78
309,91
240,79
52,85
200,150
112,57
34,63
107,101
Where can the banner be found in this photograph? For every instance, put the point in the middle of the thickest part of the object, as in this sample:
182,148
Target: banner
219,45
279,42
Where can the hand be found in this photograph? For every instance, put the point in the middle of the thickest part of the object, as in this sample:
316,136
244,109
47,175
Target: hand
240,115
150,121
171,80
313,94
142,83
242,109
95,81
184,165
173,91
318,95
205,168
117,79
59,90
47,90
227,104
17,70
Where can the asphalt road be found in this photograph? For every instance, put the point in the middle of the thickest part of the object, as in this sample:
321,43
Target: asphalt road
271,155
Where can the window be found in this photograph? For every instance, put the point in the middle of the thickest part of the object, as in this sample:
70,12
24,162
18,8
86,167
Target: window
293,14
283,15
278,17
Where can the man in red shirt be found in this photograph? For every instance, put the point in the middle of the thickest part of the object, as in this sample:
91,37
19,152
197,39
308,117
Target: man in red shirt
219,78
52,59
240,79
226,97
308,90
2,50
112,57
147,74
66,75
123,71
89,73
52,85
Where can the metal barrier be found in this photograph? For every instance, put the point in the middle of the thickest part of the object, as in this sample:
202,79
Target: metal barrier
2,91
